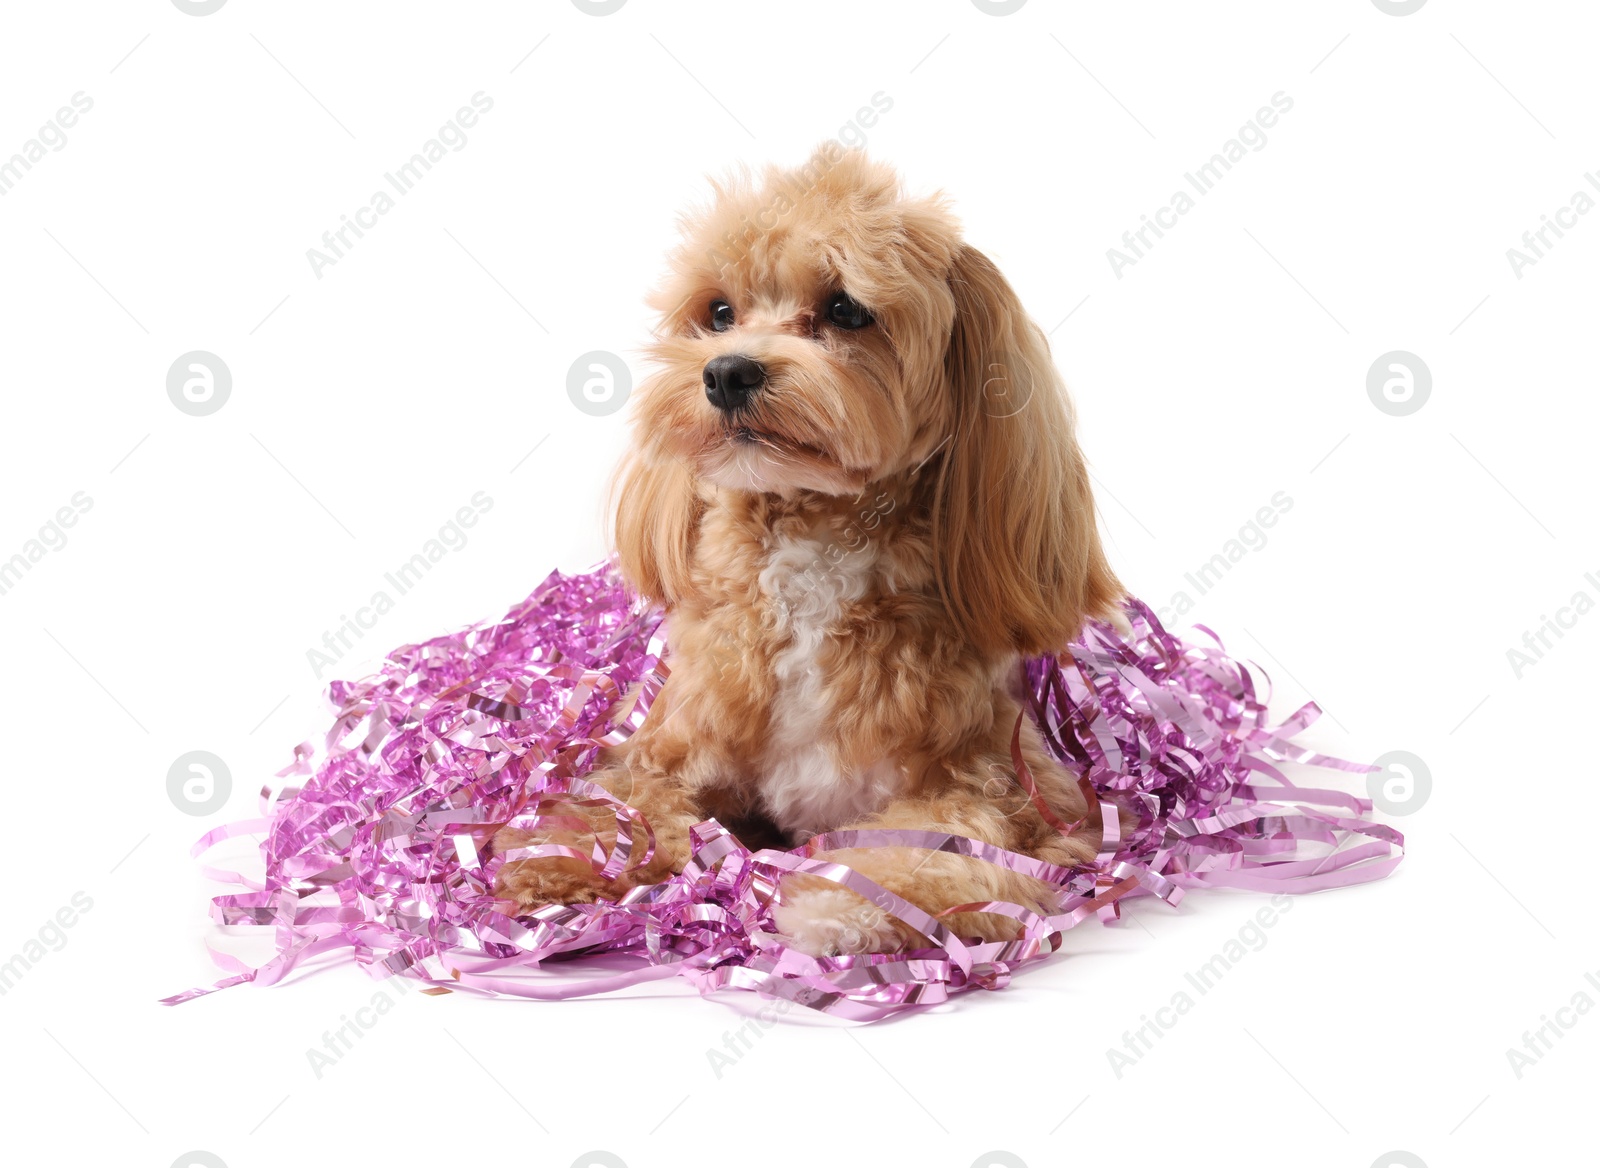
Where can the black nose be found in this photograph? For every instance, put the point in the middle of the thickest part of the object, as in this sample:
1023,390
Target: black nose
731,379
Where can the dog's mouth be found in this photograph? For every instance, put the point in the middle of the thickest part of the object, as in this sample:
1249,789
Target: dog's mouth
747,435
743,455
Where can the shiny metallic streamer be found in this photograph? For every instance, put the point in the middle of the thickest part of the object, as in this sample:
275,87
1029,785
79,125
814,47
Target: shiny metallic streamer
378,842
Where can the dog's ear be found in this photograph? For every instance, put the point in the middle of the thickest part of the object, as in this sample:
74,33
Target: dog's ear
657,513
1017,555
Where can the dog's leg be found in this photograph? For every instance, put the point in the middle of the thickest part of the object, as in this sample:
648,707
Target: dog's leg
823,918
659,797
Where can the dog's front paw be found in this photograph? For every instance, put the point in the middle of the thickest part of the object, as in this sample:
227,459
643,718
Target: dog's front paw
547,879
826,920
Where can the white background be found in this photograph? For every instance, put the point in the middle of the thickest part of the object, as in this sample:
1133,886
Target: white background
368,405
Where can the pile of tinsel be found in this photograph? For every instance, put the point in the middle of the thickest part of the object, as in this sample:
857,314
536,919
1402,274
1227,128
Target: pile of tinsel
379,841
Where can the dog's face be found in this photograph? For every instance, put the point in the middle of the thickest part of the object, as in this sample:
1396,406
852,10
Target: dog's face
803,332
821,332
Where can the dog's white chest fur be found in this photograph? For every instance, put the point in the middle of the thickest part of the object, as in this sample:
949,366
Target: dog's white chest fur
805,787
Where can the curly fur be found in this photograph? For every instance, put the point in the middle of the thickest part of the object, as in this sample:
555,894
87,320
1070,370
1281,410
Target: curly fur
853,567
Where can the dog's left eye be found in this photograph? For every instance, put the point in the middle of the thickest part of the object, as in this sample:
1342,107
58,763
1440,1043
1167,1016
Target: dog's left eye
721,316
846,313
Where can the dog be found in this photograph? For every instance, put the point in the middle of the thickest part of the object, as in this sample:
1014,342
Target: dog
855,489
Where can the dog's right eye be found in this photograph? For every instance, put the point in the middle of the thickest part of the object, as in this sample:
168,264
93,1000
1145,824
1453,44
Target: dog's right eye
721,316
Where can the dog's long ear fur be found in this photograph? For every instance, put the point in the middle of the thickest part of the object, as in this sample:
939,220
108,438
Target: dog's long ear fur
657,512
1017,554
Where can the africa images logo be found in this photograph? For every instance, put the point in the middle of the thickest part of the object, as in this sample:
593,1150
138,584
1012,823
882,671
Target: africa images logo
52,134
402,181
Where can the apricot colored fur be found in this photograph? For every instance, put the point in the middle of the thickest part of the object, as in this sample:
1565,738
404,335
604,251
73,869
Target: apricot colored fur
853,566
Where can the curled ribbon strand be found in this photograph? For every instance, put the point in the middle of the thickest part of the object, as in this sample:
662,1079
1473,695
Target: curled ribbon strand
377,841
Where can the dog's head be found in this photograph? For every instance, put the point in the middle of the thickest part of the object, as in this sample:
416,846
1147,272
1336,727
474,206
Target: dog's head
821,332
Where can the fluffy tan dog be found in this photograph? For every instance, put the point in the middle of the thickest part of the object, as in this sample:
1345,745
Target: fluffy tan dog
855,489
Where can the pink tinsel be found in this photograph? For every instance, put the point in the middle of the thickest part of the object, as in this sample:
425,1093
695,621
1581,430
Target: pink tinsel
382,848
